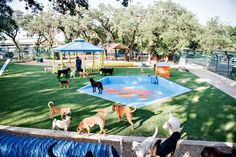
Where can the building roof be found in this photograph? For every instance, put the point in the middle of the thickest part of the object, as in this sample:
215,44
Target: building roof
111,46
78,45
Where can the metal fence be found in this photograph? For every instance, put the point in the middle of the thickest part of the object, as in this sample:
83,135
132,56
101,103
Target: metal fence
223,63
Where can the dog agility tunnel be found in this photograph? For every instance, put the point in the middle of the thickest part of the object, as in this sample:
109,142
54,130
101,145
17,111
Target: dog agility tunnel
26,146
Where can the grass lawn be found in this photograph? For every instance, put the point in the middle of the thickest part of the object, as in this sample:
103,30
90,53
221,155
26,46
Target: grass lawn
205,113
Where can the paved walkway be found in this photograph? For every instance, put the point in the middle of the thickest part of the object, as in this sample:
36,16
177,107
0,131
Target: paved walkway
224,84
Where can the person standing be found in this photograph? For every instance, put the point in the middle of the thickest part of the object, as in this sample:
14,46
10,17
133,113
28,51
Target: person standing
78,64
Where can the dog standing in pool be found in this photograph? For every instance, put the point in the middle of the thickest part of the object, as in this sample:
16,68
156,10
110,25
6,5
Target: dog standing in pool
95,84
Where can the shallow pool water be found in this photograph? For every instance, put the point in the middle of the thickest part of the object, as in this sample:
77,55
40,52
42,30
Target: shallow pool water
136,90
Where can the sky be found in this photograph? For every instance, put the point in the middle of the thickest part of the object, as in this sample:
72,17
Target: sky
203,9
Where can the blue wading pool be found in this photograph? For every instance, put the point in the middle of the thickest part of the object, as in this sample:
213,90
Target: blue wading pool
136,91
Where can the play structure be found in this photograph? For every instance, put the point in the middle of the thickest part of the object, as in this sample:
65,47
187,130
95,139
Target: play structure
162,69
80,46
136,91
113,55
3,68
14,146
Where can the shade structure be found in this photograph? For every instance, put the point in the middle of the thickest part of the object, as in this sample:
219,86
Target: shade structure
78,45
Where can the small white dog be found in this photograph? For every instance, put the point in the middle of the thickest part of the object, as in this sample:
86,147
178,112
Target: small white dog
63,124
173,124
72,73
141,148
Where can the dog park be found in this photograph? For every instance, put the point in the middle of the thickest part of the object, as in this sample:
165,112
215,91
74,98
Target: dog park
119,78
27,89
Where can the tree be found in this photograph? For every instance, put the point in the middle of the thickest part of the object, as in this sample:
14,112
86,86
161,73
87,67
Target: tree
5,16
127,24
213,36
168,28
44,27
10,26
69,25
231,33
62,6
104,16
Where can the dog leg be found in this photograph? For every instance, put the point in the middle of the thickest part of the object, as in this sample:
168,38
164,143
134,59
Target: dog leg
99,91
65,129
119,117
50,114
62,116
102,128
88,130
130,121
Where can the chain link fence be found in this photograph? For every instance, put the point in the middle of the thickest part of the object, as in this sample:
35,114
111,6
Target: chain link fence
223,63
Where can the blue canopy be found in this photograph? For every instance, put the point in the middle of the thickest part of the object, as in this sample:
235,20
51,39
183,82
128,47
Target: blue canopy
78,45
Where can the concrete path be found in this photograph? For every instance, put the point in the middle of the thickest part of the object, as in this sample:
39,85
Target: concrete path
224,84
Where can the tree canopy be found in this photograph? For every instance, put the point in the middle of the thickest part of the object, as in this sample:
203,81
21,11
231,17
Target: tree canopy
160,29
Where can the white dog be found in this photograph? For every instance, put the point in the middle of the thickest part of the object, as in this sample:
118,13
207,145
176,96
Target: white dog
63,124
72,73
173,124
141,148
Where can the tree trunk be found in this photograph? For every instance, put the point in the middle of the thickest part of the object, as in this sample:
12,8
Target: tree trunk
115,54
17,47
106,53
149,58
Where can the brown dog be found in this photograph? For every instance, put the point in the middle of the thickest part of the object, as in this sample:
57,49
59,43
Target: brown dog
57,110
124,110
89,122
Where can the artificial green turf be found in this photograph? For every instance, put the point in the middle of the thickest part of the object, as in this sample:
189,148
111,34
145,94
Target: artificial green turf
205,113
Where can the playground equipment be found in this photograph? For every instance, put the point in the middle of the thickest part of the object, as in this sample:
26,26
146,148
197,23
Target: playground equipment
80,46
162,69
4,66
14,146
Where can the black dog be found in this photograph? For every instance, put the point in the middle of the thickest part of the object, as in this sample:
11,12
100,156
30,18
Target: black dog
167,147
213,152
65,71
95,84
106,71
64,83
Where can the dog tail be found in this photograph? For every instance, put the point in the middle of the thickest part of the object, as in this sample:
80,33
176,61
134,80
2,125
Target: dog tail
49,104
134,109
104,113
155,133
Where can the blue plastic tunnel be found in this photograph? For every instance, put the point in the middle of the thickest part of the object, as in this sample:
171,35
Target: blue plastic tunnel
26,146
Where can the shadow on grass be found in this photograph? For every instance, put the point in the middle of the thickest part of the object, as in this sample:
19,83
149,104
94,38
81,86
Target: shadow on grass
205,113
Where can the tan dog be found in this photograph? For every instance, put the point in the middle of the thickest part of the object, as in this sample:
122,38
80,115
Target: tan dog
89,122
57,110
83,74
124,110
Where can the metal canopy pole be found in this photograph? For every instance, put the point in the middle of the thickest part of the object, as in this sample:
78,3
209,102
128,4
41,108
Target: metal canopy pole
53,63
61,57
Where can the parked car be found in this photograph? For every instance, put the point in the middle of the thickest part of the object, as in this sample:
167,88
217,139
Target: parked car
233,59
